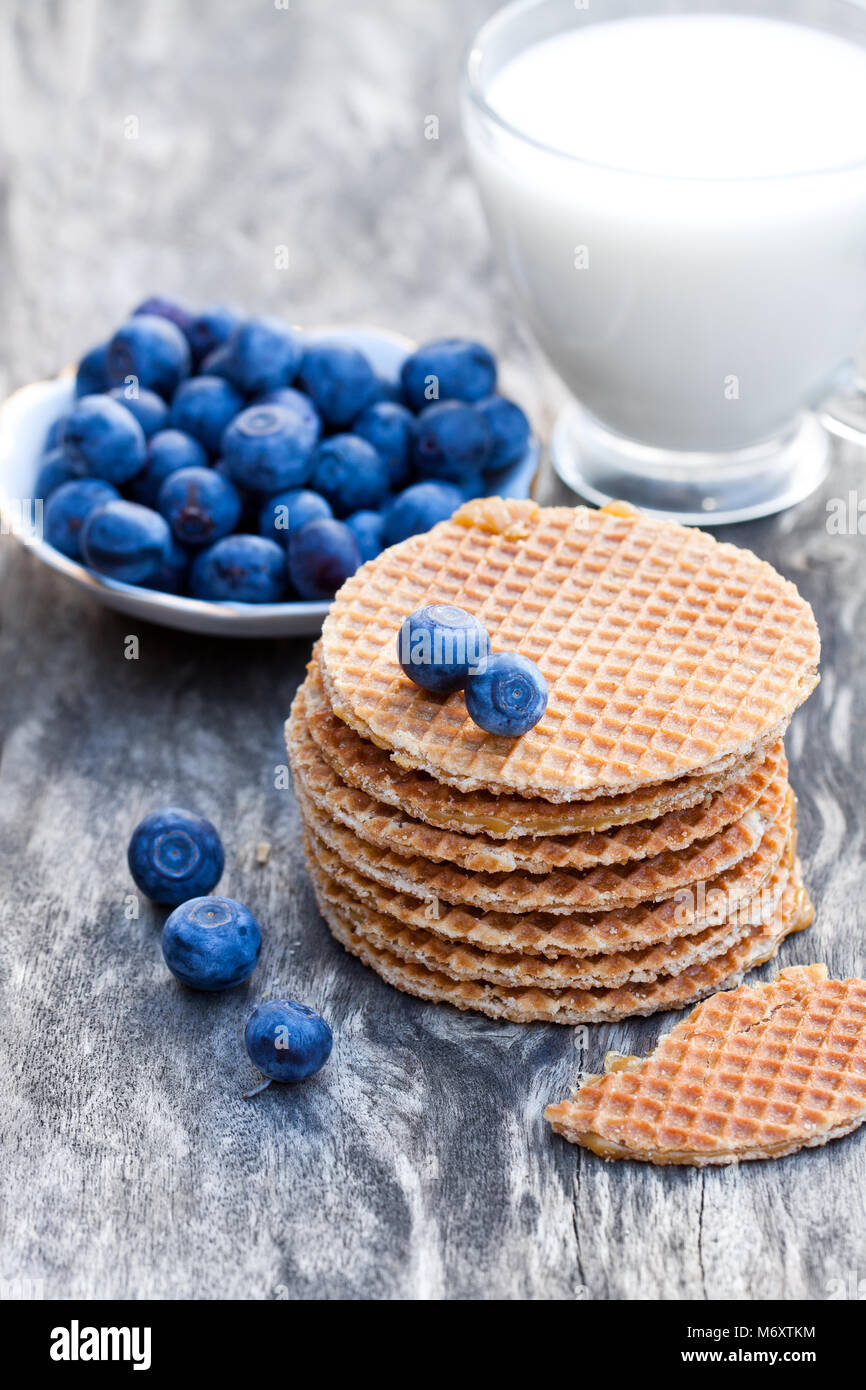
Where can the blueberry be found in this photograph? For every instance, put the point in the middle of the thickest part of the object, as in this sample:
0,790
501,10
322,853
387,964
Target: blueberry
171,576
449,369
350,474
287,1041
57,468
167,452
199,505
125,541
246,569
390,428
308,423
149,409
216,363
67,508
210,329
267,448
151,350
251,502
54,435
386,390
452,442
339,380
509,431
162,308
368,529
175,855
260,354
322,556
419,507
440,646
101,435
508,697
202,407
211,943
287,511
92,375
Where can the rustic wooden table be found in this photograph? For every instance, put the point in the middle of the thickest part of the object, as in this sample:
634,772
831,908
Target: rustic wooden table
417,1164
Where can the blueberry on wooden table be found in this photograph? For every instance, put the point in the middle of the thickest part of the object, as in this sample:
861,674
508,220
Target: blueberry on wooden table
211,943
174,855
287,1041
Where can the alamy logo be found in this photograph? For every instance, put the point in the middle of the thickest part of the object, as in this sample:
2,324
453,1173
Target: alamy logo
77,1343
444,647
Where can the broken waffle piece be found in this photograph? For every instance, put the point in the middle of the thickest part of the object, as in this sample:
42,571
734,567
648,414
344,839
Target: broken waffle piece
755,1072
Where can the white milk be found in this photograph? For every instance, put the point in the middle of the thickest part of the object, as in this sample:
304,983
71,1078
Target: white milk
688,234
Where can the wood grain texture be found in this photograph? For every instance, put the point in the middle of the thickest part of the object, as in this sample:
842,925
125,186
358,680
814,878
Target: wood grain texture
417,1164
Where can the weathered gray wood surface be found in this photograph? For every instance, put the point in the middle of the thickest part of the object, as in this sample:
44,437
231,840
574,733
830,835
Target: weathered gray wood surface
417,1165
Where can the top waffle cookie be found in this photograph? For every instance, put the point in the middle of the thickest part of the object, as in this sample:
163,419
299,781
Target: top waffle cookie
666,654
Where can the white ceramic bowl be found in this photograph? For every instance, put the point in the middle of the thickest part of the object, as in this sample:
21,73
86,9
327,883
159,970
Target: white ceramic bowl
24,421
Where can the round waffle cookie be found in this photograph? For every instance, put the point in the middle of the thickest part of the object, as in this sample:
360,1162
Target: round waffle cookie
386,827
749,892
464,962
362,764
561,890
759,1072
667,654
527,1004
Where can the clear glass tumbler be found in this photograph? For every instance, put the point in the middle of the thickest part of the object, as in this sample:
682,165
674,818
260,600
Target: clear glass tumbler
698,321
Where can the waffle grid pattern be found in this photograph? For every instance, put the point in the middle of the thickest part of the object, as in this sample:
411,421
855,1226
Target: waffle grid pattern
461,961
755,1073
360,763
560,890
385,827
664,651
531,1004
749,892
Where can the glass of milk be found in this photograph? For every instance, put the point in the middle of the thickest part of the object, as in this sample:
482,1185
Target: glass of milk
678,194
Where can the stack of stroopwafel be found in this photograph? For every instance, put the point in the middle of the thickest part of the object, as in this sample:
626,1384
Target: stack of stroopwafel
635,850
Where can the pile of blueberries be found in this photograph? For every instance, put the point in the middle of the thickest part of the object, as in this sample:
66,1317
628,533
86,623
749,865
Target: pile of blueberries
442,648
230,459
209,943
